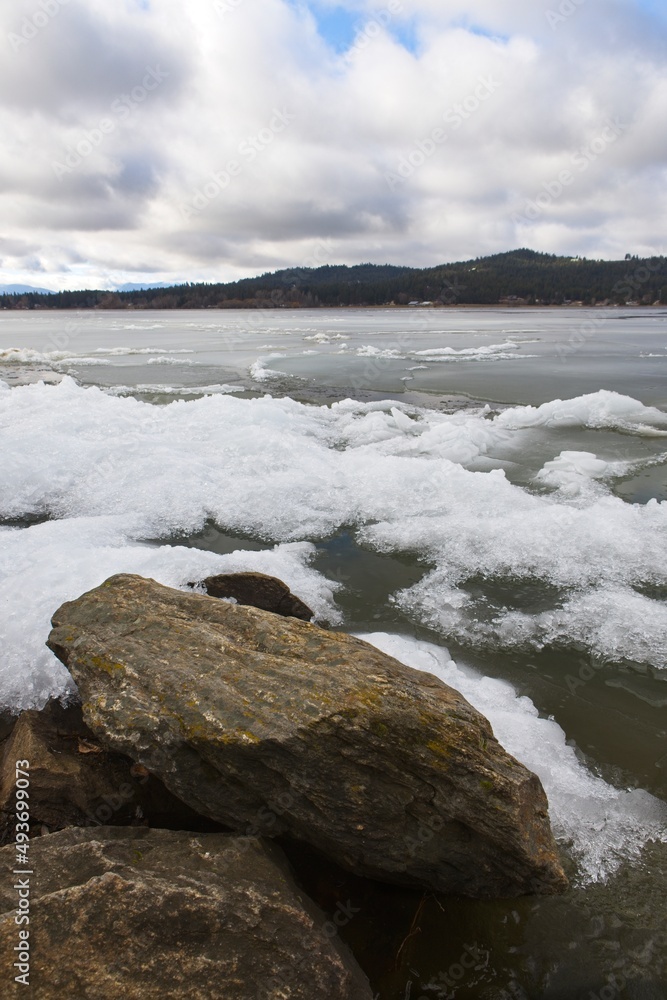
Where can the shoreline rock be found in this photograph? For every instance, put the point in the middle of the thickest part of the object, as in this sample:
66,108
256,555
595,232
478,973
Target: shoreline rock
75,781
258,590
152,914
276,726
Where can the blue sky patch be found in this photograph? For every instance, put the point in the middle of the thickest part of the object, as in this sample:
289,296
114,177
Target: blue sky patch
339,27
653,6
406,33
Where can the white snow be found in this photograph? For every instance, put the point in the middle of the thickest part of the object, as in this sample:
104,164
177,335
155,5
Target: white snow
469,352
598,409
405,477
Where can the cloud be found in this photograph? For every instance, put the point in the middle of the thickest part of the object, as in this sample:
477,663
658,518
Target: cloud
226,136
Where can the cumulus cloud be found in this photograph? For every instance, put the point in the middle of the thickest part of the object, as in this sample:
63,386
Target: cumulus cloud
222,137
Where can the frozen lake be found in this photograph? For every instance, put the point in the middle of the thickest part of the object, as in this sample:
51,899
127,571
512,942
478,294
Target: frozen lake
480,492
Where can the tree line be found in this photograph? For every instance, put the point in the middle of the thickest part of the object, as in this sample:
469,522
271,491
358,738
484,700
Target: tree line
520,277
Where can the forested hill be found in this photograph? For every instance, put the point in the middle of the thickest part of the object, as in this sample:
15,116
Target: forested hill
517,278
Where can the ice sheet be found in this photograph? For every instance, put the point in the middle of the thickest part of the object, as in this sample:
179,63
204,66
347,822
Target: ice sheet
403,477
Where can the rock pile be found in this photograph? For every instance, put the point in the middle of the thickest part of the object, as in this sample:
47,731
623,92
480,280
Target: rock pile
207,728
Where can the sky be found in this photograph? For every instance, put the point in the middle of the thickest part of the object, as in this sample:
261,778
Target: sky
153,140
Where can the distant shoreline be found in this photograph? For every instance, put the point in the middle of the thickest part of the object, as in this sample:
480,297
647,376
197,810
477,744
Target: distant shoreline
486,306
521,278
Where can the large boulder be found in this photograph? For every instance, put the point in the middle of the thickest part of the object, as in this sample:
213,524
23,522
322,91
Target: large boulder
75,781
152,914
276,726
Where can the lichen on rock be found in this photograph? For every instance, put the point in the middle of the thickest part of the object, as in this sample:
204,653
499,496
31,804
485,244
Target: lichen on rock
386,770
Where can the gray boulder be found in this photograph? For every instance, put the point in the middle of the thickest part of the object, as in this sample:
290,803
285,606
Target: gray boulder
276,726
153,914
